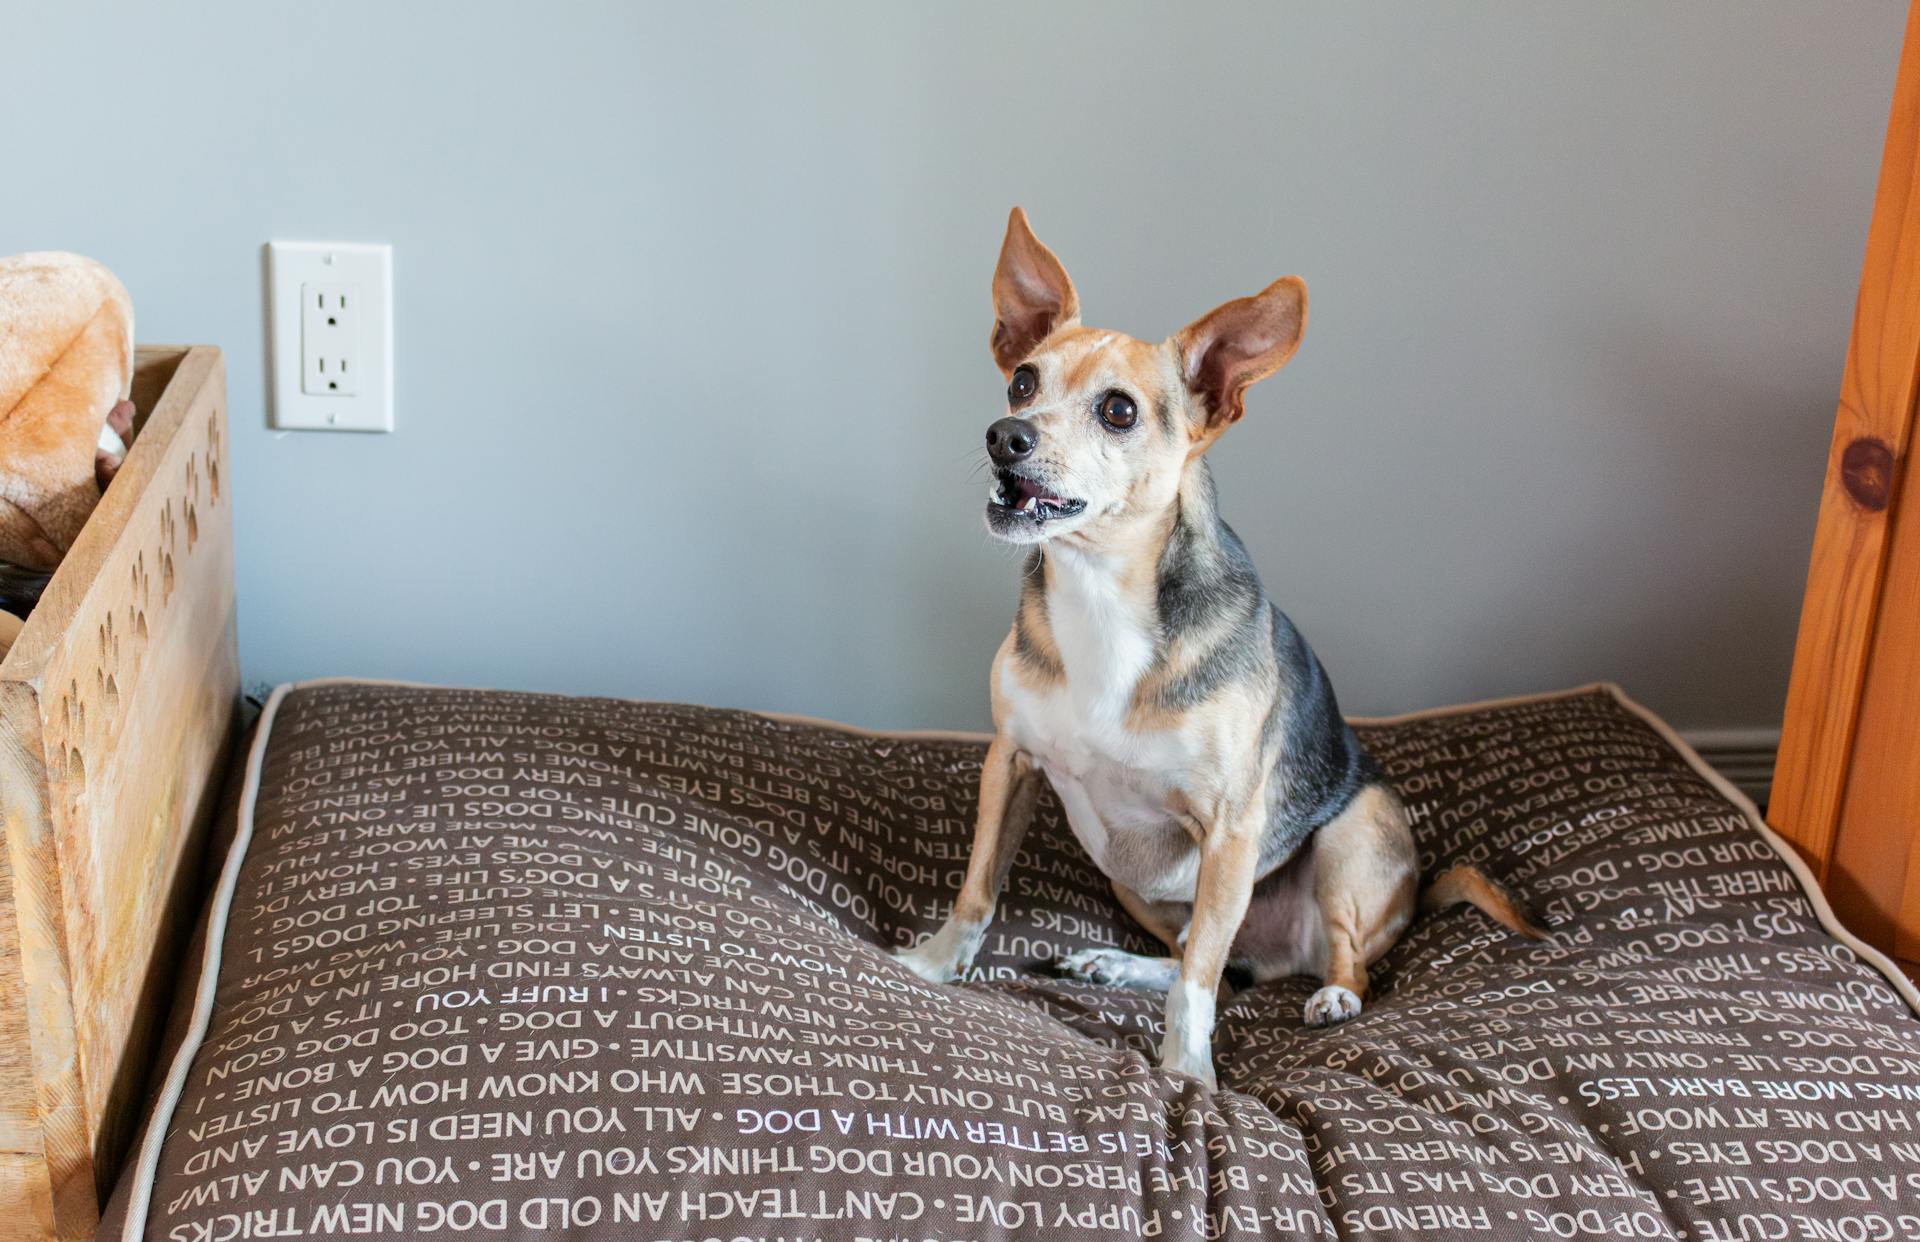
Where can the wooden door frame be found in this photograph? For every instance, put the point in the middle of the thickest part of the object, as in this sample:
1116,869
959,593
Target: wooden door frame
1846,790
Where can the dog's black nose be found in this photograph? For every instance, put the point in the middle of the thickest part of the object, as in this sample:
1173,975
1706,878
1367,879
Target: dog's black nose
1011,439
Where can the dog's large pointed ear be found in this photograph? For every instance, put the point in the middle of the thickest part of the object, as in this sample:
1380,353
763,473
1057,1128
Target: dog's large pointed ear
1031,294
1233,347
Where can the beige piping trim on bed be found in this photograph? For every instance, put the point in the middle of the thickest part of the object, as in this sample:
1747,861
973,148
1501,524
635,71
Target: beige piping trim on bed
147,1165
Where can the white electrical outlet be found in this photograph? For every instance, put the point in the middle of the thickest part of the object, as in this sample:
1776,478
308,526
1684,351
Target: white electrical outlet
329,339
332,330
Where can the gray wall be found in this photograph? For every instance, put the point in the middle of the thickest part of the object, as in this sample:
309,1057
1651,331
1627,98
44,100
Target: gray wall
691,308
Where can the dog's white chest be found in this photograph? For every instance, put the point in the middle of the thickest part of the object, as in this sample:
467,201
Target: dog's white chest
1114,783
1115,787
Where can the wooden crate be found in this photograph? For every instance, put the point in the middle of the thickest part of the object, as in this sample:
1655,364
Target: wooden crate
117,706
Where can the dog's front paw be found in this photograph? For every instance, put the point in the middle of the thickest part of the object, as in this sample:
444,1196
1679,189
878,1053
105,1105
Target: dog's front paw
942,956
926,965
1332,1004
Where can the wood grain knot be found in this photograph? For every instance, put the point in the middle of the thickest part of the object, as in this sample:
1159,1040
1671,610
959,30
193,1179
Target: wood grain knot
1866,467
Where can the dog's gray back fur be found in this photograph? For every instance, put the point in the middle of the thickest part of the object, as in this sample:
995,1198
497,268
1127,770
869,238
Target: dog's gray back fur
1206,578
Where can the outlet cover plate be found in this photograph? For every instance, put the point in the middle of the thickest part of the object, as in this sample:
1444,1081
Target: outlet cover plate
300,340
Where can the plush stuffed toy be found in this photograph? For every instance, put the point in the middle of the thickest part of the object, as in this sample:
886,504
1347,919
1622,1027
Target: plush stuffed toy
66,363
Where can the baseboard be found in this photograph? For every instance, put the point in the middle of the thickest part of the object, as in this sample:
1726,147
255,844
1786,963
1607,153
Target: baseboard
1744,756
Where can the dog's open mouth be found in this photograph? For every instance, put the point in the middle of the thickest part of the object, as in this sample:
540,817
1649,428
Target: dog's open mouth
1021,496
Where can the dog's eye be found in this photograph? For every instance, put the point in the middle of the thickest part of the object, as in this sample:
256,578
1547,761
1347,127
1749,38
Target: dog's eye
1023,385
1118,411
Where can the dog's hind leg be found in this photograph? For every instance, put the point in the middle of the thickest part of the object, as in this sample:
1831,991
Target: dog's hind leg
1345,991
1365,882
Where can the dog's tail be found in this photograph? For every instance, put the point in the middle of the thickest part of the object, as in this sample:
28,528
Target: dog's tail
1465,882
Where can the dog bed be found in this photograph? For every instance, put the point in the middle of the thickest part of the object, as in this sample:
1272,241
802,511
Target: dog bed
521,966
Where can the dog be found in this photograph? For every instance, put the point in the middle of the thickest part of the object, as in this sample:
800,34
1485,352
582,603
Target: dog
1189,732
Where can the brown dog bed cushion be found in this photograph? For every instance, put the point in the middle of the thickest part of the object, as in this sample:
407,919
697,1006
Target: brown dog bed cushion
521,966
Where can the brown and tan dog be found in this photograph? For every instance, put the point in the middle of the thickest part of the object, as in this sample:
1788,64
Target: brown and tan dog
1191,735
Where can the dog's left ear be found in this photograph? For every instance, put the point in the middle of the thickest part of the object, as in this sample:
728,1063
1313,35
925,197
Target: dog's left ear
1233,347
1031,294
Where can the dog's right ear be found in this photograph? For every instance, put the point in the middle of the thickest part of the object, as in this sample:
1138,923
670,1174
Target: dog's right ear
1031,294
